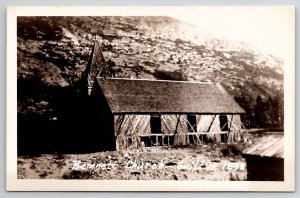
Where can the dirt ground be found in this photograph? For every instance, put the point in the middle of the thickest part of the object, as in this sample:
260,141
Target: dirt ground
201,162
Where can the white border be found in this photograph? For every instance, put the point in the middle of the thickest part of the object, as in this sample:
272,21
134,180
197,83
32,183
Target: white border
14,184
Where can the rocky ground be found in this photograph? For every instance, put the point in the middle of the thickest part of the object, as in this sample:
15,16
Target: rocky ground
201,162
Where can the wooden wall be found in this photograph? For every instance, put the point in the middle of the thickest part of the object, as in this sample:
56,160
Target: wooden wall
235,128
100,129
129,128
132,124
172,124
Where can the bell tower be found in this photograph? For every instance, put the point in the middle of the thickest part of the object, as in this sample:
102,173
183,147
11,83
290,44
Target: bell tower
97,67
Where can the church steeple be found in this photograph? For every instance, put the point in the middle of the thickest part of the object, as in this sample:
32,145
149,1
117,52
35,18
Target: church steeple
97,66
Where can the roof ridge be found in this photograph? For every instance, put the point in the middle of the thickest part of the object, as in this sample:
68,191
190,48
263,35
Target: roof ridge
151,80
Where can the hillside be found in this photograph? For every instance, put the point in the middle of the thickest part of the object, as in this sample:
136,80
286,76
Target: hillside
54,51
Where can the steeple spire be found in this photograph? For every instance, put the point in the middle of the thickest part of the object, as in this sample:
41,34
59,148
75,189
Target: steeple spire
97,66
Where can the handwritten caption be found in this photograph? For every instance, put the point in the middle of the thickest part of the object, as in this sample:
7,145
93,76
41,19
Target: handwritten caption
197,165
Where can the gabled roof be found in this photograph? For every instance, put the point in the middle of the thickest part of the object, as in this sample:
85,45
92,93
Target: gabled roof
267,146
159,96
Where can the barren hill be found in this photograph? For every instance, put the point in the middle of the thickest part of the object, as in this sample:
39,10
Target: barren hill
54,51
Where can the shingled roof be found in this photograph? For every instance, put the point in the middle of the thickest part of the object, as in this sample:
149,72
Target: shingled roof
267,146
159,96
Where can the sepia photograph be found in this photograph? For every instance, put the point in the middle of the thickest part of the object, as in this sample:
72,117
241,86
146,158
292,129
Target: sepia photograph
185,94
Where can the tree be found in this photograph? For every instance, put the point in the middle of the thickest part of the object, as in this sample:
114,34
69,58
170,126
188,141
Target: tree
259,109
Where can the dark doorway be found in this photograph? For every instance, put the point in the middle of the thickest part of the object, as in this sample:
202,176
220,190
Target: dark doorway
192,125
192,128
224,127
155,124
223,123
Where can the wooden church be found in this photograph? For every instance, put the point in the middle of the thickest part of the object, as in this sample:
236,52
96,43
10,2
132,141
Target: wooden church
135,113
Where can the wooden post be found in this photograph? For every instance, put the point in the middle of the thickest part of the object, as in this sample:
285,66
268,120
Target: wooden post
188,138
212,123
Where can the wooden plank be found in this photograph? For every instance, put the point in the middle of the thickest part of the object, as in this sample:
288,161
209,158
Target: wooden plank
177,124
214,128
168,123
183,128
199,133
132,124
204,122
174,124
194,132
168,140
119,119
211,123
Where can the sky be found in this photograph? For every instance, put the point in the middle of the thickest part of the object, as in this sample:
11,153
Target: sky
270,29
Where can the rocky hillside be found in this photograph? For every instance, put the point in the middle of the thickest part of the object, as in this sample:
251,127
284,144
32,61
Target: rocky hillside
54,51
